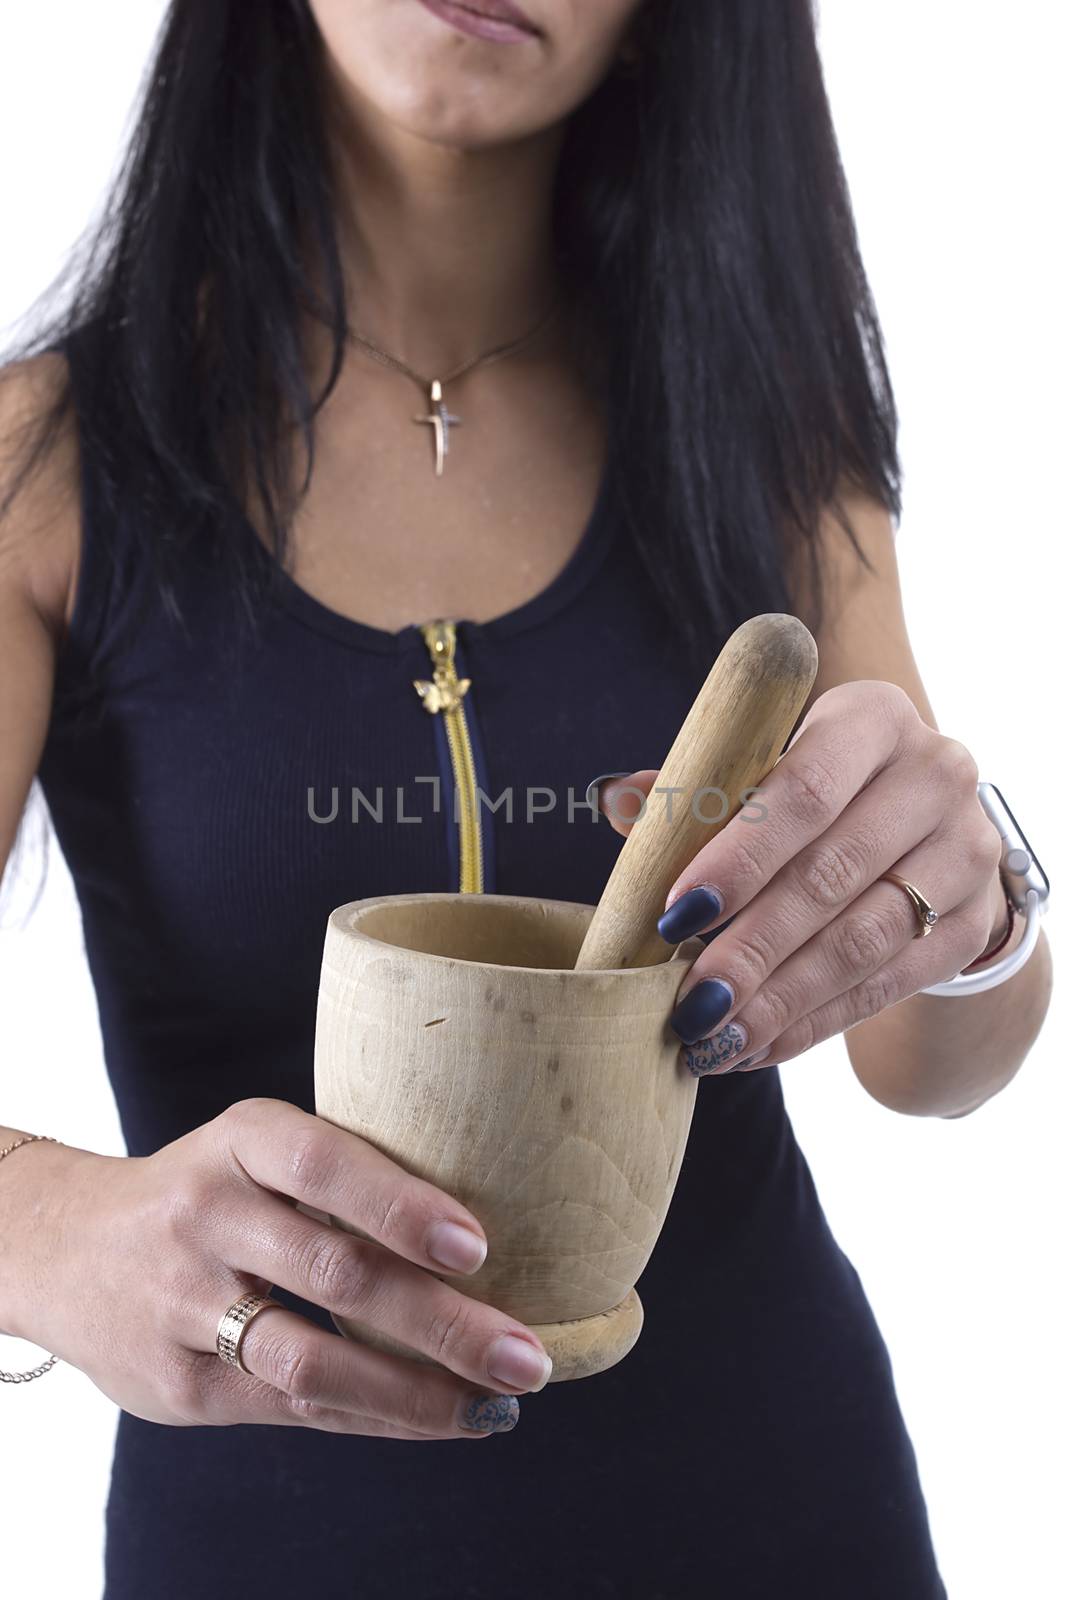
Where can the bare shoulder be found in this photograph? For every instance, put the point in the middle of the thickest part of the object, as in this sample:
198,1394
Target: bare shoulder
40,521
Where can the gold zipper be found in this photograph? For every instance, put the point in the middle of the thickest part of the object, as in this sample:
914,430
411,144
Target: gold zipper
443,696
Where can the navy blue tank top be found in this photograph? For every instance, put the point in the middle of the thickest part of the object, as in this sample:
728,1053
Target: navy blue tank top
751,1445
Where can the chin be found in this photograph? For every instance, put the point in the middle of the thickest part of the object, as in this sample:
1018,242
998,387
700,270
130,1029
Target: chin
409,70
455,98
457,114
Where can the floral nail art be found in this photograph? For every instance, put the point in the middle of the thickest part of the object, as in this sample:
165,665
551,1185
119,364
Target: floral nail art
491,1413
718,1054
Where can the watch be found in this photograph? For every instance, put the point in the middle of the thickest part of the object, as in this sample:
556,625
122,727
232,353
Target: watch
1026,887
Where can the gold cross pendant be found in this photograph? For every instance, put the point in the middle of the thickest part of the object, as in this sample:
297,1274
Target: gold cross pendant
441,420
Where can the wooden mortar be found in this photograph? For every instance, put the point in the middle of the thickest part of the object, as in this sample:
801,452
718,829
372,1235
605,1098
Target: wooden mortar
517,1053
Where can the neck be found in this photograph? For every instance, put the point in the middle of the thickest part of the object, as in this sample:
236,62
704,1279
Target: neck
447,252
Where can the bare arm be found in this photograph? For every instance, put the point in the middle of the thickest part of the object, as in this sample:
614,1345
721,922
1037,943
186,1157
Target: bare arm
38,560
38,555
926,1055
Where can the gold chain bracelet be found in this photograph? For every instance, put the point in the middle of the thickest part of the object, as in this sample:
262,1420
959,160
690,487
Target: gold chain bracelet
34,1372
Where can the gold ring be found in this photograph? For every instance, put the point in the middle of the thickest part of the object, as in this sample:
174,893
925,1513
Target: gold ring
923,909
232,1324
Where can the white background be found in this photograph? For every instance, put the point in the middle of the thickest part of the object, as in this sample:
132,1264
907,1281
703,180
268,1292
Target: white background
947,115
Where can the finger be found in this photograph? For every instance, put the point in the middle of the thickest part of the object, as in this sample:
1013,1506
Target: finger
361,1280
886,822
852,950
312,1367
256,1402
276,1146
829,762
308,1368
204,1391
958,936
622,797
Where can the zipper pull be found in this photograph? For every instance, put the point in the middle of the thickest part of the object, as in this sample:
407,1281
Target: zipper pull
446,691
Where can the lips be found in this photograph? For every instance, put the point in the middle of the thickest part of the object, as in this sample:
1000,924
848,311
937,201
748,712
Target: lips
498,11
500,21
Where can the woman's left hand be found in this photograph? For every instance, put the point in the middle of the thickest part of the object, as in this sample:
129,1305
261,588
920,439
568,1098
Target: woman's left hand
816,942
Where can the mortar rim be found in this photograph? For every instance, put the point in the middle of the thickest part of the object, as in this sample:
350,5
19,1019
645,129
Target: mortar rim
335,922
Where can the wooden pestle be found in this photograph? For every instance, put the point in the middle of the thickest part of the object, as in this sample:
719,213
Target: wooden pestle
734,733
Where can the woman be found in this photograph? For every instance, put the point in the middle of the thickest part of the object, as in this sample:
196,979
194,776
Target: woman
240,520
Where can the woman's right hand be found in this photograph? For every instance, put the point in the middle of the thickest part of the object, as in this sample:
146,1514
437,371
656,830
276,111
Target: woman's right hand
131,1261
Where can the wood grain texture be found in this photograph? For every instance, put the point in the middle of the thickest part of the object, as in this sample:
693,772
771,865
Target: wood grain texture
455,1035
731,738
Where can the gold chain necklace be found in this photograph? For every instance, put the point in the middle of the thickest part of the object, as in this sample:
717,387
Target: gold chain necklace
438,416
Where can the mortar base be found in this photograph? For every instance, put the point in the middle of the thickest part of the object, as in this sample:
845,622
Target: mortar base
591,1344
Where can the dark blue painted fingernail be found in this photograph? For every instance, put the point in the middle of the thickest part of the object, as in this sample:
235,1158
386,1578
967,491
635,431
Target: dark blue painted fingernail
689,914
490,1413
592,794
702,1010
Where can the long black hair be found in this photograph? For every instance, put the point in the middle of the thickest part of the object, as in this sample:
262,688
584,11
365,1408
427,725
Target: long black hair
704,223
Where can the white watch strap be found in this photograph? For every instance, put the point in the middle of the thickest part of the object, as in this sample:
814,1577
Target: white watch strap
1000,971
